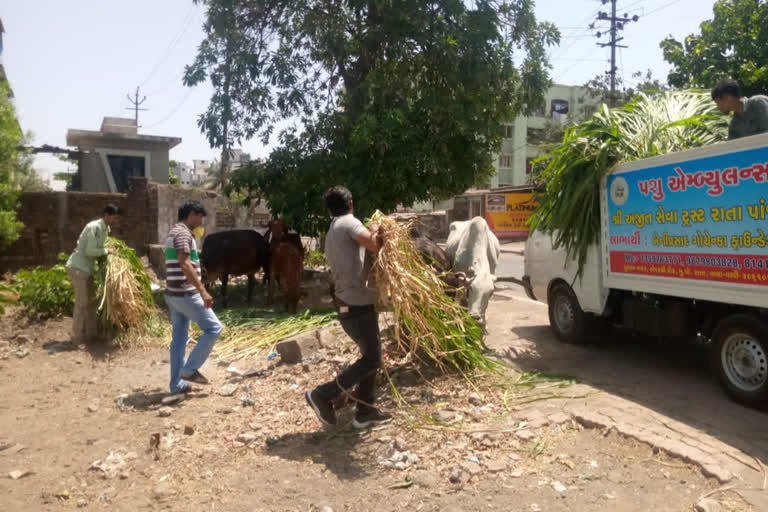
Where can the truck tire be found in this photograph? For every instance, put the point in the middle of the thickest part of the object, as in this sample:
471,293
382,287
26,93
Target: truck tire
565,314
740,358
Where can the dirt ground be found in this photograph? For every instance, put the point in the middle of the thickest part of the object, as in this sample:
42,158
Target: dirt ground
86,429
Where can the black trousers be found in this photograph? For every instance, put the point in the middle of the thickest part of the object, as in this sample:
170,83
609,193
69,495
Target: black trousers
361,323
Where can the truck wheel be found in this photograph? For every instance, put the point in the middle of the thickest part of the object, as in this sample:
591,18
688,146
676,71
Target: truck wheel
565,315
740,358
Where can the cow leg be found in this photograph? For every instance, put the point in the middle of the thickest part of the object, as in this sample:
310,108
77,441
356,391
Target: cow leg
251,284
271,290
224,278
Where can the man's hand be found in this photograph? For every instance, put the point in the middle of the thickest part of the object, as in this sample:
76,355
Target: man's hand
370,239
112,251
207,299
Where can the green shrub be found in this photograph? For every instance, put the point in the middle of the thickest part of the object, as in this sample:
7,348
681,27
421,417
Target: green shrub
315,258
46,292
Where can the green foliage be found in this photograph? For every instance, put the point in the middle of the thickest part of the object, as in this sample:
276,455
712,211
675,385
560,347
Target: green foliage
315,258
734,43
400,101
10,160
8,296
648,126
46,292
172,178
600,87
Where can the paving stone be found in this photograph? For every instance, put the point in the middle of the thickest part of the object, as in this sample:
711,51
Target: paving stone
524,435
472,468
708,505
496,466
559,418
592,419
717,472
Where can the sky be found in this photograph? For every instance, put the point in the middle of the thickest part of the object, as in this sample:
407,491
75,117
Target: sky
70,63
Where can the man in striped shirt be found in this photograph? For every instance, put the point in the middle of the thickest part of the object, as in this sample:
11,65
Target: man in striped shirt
187,299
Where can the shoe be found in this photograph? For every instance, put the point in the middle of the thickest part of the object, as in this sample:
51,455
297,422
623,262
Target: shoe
323,408
195,376
186,388
371,418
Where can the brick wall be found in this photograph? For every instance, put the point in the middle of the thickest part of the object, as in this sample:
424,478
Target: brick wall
54,220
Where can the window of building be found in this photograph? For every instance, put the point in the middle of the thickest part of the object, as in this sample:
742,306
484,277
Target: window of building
505,160
123,167
509,131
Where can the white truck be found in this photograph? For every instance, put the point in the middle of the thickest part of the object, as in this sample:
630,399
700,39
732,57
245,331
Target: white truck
683,253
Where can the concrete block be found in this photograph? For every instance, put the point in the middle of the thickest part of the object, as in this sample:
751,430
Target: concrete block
296,349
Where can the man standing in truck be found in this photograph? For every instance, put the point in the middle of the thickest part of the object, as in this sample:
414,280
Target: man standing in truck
750,115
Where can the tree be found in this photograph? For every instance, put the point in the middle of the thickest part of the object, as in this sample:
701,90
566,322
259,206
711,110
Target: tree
599,87
10,163
400,100
172,178
734,43
70,176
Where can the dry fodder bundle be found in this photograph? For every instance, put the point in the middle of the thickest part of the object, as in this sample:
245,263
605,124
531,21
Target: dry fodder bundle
427,322
126,301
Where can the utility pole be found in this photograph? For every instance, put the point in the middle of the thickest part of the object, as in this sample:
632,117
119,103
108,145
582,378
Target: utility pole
136,103
617,24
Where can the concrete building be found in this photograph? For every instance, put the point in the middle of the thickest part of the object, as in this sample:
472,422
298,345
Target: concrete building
518,149
237,159
183,171
116,152
200,172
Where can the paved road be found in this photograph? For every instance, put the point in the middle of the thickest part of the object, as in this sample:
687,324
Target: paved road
510,265
657,392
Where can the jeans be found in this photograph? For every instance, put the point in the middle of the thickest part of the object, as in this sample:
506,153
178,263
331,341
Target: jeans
186,309
361,323
84,320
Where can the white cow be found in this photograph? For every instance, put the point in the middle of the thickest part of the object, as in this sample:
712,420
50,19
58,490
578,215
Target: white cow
474,251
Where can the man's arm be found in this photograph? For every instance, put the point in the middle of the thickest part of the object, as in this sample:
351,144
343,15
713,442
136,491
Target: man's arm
93,248
761,117
371,240
191,274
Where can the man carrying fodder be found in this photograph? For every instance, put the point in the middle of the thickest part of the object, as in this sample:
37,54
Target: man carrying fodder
90,247
126,302
355,303
187,299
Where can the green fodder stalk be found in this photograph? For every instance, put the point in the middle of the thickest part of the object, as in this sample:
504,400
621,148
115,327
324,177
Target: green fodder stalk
125,293
247,336
569,207
427,322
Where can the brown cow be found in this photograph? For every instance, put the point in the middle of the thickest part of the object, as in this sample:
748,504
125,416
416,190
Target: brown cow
286,264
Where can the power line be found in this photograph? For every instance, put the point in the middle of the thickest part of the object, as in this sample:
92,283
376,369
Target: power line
176,40
175,109
673,2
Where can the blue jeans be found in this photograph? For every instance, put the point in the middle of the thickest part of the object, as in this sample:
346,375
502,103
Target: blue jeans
186,309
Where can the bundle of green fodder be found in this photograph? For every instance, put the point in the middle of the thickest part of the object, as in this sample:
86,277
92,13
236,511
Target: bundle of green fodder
426,321
125,293
254,335
569,208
